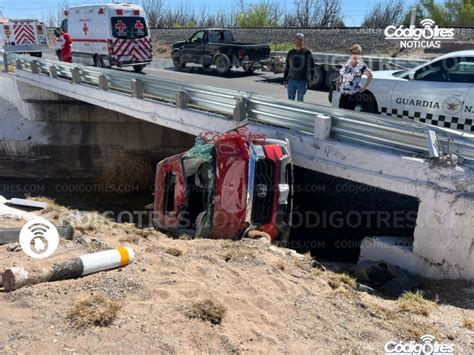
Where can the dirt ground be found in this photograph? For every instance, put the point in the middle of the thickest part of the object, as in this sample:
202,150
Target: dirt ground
272,300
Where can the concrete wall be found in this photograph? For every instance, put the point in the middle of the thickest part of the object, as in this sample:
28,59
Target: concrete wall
319,40
55,136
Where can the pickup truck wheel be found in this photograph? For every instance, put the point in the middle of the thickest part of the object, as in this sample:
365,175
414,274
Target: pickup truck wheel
249,69
366,102
222,64
98,61
318,79
178,61
138,68
331,77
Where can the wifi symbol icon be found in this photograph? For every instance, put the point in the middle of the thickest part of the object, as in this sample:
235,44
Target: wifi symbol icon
427,23
39,238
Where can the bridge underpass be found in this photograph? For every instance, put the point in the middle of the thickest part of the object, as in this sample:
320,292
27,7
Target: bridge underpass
443,242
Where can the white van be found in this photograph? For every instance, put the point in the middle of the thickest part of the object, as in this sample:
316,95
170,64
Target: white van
109,35
23,36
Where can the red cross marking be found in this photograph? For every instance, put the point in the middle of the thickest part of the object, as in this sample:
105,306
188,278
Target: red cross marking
85,29
139,25
120,26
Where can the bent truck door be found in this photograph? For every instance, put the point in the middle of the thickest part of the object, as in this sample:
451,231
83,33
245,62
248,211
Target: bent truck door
170,194
430,96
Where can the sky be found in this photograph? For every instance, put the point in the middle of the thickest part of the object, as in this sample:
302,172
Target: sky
353,11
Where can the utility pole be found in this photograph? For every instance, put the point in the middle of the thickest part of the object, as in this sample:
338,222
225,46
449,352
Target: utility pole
413,17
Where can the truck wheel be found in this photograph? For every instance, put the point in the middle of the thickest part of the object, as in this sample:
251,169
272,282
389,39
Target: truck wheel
331,77
223,65
366,102
178,61
98,63
248,69
138,68
318,79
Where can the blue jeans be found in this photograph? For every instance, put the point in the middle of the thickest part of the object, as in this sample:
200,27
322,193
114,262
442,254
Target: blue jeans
299,86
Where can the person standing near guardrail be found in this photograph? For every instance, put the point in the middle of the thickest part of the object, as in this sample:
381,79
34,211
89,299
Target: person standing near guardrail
349,84
66,42
299,70
59,43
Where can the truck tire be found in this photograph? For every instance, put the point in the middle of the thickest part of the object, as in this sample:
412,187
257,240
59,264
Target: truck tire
223,65
138,68
249,69
318,79
331,77
366,102
98,63
178,61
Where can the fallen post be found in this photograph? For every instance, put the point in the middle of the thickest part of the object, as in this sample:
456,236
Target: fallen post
17,277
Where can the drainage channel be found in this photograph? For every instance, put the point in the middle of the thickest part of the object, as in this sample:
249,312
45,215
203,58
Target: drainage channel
331,216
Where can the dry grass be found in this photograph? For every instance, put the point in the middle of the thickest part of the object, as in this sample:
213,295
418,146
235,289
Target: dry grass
337,280
239,254
174,251
132,239
95,310
416,303
129,172
160,48
93,222
207,310
52,207
468,323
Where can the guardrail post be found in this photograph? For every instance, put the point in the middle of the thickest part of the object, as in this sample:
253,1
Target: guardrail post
76,75
53,72
182,100
240,110
35,67
18,64
137,88
322,127
433,143
103,82
5,62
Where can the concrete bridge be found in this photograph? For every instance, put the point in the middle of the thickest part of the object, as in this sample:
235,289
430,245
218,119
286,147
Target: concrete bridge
385,153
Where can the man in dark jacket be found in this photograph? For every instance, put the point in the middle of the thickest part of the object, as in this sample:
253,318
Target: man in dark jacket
299,70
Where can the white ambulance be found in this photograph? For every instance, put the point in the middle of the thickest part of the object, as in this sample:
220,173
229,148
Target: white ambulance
439,92
23,36
109,35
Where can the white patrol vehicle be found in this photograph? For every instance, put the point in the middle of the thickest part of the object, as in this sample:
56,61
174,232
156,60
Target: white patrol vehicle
439,92
109,35
23,36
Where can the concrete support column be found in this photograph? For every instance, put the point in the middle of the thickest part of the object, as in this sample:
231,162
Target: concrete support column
444,237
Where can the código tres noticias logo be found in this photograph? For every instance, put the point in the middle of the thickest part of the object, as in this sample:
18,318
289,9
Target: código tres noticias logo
427,346
427,36
39,238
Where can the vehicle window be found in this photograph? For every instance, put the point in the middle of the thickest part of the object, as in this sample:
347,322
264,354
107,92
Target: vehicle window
436,71
221,37
462,71
198,37
170,186
129,27
64,25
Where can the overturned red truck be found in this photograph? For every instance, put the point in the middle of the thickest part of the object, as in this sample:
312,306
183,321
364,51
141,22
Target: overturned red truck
226,186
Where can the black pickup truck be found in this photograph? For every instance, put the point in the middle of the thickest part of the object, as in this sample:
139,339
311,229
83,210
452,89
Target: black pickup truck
217,47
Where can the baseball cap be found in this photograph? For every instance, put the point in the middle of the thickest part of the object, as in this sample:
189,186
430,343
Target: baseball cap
300,36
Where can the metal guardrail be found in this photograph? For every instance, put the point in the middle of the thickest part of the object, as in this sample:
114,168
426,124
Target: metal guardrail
374,62
349,126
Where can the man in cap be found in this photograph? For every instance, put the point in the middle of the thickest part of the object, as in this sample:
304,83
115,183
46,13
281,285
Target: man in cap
299,70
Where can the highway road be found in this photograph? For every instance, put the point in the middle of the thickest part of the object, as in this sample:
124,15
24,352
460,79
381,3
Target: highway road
260,82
